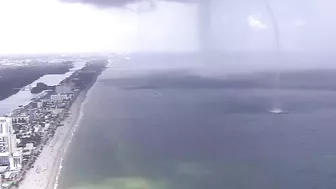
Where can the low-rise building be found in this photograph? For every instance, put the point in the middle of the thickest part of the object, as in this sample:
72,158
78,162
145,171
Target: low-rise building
20,118
28,150
58,97
46,127
37,104
63,89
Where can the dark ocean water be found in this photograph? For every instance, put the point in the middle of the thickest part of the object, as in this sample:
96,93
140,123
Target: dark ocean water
168,130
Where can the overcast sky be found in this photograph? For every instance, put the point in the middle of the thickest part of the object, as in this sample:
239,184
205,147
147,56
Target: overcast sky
30,26
43,26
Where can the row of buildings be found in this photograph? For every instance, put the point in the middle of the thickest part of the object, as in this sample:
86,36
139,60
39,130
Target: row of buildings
24,132
27,129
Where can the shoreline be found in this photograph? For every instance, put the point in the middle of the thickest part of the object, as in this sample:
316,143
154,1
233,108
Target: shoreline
57,167
61,153
51,158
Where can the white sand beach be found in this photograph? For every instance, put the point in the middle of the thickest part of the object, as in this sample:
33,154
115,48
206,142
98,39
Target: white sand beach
46,169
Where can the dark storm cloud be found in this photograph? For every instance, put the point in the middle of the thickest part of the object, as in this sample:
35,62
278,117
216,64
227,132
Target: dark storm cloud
116,3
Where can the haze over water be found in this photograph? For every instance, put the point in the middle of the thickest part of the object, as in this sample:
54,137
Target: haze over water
172,129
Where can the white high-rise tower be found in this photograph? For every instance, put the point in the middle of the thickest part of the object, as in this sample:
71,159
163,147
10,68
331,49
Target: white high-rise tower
9,154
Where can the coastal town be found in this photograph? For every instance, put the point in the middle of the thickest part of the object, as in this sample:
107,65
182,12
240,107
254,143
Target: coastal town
27,130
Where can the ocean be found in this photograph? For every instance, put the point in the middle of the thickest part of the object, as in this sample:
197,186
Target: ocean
171,127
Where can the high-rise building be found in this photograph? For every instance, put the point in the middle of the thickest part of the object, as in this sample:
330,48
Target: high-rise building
9,154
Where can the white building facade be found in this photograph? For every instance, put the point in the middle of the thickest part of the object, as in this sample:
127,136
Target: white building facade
58,97
9,154
23,118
